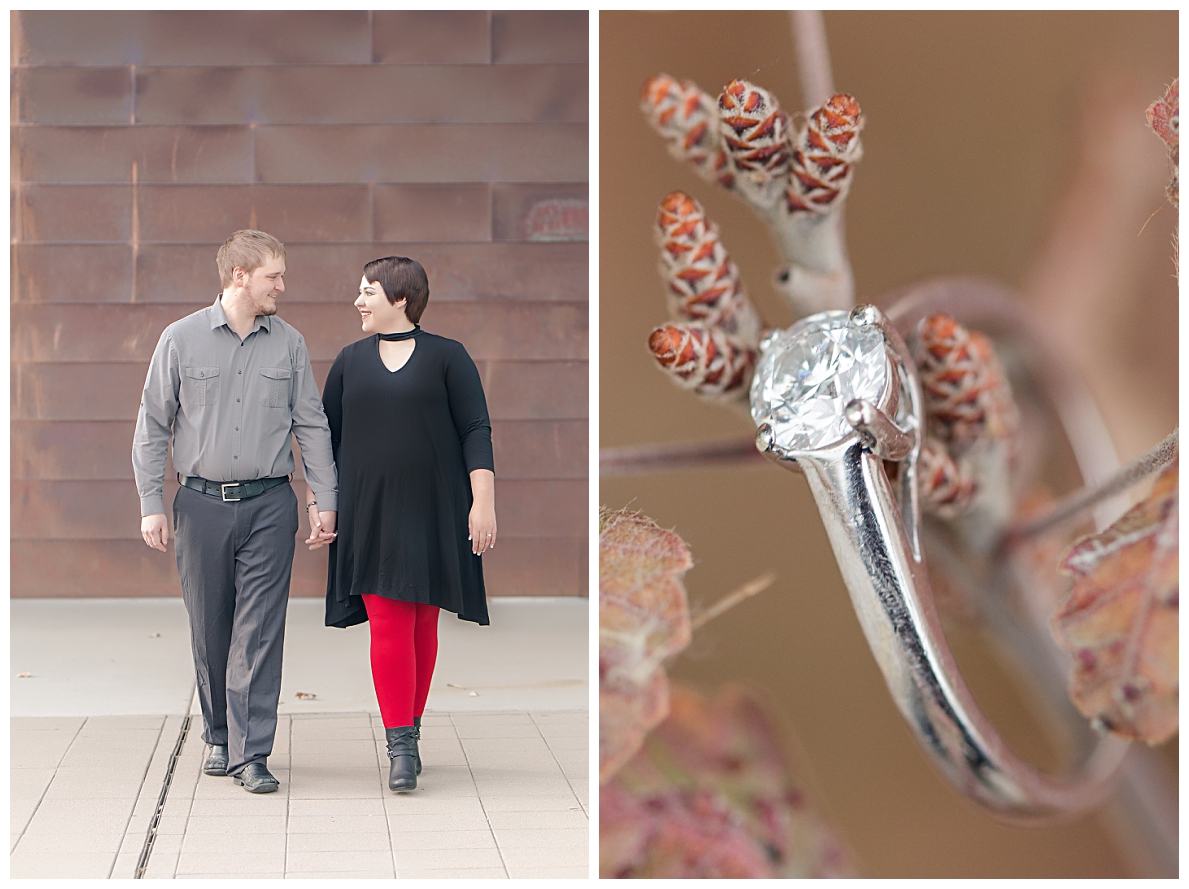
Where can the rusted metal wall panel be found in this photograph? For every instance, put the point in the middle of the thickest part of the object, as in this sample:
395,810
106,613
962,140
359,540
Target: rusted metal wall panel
140,140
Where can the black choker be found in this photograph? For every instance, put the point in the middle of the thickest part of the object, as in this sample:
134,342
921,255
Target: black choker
408,334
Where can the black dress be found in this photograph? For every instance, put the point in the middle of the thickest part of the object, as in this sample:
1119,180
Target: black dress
405,442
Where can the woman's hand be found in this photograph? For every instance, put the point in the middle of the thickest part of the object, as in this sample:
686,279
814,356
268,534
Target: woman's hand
481,521
481,525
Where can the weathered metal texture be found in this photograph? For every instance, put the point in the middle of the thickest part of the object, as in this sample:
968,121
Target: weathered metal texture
140,140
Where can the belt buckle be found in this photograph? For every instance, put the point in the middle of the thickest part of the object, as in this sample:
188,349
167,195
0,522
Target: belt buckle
223,490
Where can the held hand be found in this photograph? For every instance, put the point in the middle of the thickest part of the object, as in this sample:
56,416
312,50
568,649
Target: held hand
322,526
481,525
155,531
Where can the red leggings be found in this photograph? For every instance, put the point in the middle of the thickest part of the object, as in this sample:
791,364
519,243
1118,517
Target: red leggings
404,649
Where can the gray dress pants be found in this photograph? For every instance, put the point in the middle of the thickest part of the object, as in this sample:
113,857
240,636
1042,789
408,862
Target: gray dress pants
235,560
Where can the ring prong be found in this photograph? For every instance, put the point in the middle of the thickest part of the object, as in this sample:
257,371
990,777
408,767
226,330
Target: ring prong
766,444
765,438
865,315
879,433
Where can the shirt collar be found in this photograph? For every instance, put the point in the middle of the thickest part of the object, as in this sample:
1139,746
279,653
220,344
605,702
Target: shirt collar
219,318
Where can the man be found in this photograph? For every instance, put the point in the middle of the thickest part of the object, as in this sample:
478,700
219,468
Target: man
230,384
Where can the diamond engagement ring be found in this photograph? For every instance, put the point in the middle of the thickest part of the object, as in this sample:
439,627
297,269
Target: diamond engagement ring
836,396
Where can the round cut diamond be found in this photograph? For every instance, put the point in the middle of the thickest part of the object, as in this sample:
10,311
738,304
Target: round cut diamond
810,372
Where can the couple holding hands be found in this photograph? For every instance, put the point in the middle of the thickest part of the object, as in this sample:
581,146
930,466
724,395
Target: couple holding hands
400,487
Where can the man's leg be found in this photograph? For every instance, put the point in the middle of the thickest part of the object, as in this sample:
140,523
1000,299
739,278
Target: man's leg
266,527
206,565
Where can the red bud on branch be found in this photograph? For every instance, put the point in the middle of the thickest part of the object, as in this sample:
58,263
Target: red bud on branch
705,359
823,156
703,282
967,396
687,119
755,133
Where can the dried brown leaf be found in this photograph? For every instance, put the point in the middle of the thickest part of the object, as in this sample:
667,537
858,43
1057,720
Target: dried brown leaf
1164,117
643,619
711,795
1120,618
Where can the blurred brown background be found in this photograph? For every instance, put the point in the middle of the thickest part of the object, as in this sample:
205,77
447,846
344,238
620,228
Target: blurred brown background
1007,145
141,140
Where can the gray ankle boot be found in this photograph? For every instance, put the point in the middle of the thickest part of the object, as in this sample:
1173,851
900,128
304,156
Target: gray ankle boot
417,737
402,756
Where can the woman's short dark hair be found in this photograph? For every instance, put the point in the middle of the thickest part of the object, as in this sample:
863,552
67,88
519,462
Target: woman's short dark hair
401,278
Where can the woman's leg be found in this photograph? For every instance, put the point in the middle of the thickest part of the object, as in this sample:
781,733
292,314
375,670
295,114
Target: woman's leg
425,641
394,658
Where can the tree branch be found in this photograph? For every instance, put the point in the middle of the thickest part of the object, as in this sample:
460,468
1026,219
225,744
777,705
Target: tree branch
1078,502
835,291
637,459
729,601
813,56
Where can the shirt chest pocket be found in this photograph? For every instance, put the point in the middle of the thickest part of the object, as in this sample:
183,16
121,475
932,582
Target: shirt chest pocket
276,386
200,386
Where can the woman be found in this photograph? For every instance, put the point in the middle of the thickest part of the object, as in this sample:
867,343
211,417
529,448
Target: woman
412,443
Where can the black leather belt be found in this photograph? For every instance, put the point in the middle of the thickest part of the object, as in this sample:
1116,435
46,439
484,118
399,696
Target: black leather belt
232,491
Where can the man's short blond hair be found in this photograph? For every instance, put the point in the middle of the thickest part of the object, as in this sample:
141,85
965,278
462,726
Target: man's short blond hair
248,250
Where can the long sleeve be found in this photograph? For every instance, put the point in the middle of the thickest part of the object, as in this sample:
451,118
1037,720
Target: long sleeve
468,408
154,426
312,432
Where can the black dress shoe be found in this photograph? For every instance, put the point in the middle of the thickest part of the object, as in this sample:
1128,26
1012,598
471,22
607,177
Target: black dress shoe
402,755
417,738
216,762
255,778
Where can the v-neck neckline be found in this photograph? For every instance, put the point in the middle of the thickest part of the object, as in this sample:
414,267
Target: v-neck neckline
380,357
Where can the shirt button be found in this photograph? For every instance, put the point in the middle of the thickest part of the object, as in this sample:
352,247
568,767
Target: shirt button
236,457
237,400
237,429
239,371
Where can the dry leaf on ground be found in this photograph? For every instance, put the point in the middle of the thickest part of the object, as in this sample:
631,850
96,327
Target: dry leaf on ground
643,619
710,796
1120,619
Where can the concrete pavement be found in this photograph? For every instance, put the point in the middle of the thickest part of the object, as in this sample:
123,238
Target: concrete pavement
504,791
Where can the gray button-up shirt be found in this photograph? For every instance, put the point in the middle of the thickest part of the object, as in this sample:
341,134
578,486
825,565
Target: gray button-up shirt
230,405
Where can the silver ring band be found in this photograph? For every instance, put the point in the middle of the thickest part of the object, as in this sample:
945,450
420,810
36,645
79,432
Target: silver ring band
874,529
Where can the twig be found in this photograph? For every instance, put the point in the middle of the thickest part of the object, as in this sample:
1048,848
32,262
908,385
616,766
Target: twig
817,85
796,181
813,56
1075,504
637,459
729,601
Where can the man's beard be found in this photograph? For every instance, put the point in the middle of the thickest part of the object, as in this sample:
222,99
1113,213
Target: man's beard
261,308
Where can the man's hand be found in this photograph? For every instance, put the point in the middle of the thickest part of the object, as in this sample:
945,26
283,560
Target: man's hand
322,526
155,531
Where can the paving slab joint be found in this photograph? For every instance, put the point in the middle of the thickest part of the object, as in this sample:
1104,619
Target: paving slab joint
142,862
